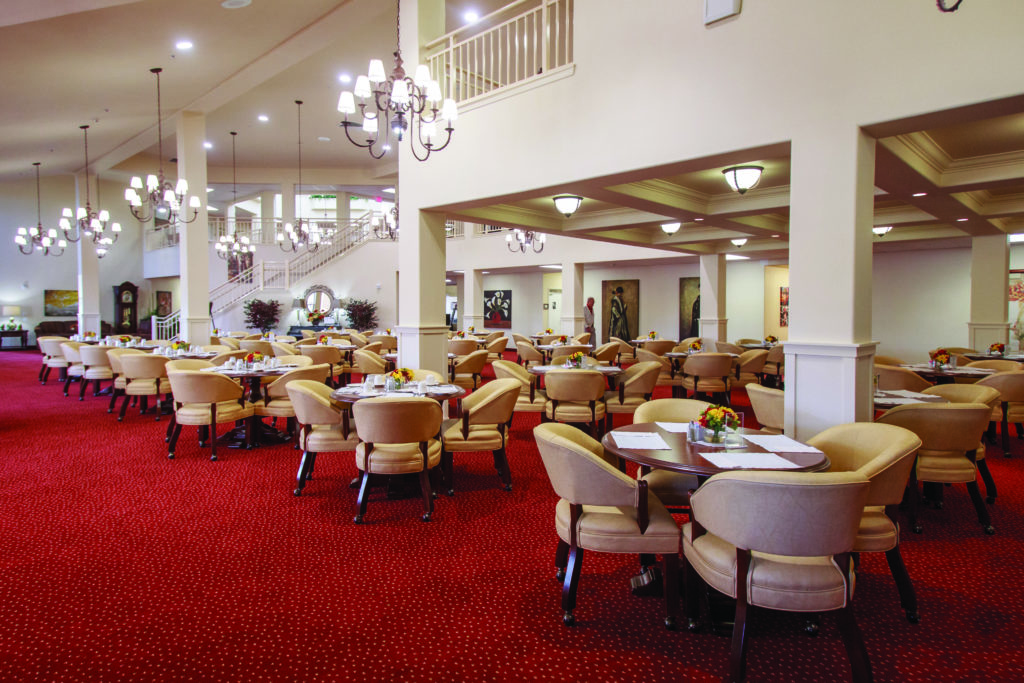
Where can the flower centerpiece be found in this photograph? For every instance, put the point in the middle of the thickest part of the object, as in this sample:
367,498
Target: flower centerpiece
696,346
388,330
652,335
401,376
124,338
315,317
254,357
180,346
90,335
216,332
472,329
323,339
718,419
563,339
575,360
547,330
460,334
997,349
771,339
940,356
266,335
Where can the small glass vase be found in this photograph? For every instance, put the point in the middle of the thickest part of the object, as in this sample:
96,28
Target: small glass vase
712,436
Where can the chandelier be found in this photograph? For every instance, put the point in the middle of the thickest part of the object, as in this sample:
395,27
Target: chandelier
233,244
303,233
36,239
944,7
521,240
385,224
161,200
401,105
87,222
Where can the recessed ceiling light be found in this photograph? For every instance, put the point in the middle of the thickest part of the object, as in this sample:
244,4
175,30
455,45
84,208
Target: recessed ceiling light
962,220
1016,238
263,118
209,189
471,16
324,138
212,208
208,145
485,272
736,257
183,45
389,190
775,236
345,78
235,4
920,194
553,267
447,281
698,220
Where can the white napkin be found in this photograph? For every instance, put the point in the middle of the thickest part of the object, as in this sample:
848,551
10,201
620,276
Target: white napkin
643,441
780,443
747,460
905,393
675,427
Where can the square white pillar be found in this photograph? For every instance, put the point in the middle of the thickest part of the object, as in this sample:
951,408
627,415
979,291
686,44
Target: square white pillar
990,265
713,322
572,298
194,250
473,301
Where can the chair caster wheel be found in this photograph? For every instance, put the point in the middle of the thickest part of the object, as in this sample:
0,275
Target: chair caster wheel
170,456
811,628
990,530
358,519
568,619
913,617
918,528
425,517
202,444
670,623
693,625
213,458
109,411
450,493
297,492
560,575
991,500
508,487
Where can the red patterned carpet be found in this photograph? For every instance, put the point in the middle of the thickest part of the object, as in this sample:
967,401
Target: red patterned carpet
118,564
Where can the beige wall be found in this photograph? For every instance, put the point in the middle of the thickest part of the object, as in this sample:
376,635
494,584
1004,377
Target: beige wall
774,278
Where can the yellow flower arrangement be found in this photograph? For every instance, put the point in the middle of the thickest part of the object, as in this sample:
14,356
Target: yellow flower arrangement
472,329
124,338
563,339
717,418
323,339
575,359
696,345
547,330
460,334
387,331
179,346
652,335
997,348
402,375
941,356
315,317
254,357
771,339
90,335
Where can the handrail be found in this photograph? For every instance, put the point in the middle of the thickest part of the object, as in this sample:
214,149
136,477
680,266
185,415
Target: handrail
482,20
166,327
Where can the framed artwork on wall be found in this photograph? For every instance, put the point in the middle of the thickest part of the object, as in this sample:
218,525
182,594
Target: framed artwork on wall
238,264
498,308
620,304
689,307
1016,301
60,302
164,304
783,306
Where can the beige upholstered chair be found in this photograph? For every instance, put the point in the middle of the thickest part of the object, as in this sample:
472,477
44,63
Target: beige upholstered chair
276,401
891,377
388,343
356,338
466,371
949,433
258,346
96,368
635,387
659,347
397,437
726,347
606,354
206,399
996,364
672,488
747,340
582,338
75,369
769,407
492,336
284,349
486,416
252,336
222,358
114,356
975,393
368,363
528,354
297,361
283,339
779,540
884,455
604,510
575,396
889,360
559,354
184,364
549,339
373,347
420,374
666,376
749,367
531,399
709,374
145,375
230,342
955,349
462,347
626,350
217,348
496,348
320,425
53,357
307,341
775,365
332,357
308,334
516,338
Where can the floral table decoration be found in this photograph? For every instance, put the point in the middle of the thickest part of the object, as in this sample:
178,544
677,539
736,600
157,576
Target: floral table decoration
575,360
997,349
696,346
716,419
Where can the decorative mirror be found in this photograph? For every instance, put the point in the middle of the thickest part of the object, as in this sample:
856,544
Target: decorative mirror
319,299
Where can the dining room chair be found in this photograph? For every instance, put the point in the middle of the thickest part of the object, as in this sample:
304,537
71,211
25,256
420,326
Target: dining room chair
257,346
748,340
321,426
560,353
283,338
884,455
889,360
516,338
356,338
606,354
775,366
373,347
727,347
672,488
955,349
531,398
667,376
659,347
583,338
486,415
635,387
284,349
300,361
75,370
183,364
627,352
995,364
368,363
276,401
575,397
145,375
388,343
466,372
894,378
307,334
230,342
528,353
52,357
708,374
216,348
397,436
749,367
769,407
462,347
205,400
950,434
496,348
96,368
975,393
117,388
306,341
1011,404
222,358
781,541
603,510
332,356
549,339
492,336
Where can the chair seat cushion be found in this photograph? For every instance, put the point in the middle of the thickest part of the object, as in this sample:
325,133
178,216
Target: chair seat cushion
76,370
400,458
792,584
328,438
671,488
613,529
523,404
199,413
630,402
481,438
465,381
56,363
711,385
99,372
147,387
120,382
876,533
277,407
573,411
944,467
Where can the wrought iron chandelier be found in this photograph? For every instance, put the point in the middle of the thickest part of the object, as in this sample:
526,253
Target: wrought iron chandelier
92,224
521,240
385,224
303,233
30,240
400,105
945,7
161,200
233,244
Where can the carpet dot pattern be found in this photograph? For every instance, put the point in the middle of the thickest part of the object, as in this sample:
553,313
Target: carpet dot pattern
119,564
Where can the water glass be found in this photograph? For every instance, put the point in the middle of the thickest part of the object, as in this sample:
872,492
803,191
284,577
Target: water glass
733,438
694,432
389,385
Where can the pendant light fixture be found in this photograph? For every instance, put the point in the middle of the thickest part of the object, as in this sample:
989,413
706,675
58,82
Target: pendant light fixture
567,204
303,233
521,240
232,244
743,178
91,224
31,240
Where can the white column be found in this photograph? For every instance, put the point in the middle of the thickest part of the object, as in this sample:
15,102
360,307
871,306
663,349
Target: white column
288,190
712,297
572,298
829,353
267,231
194,249
88,280
342,208
473,303
990,263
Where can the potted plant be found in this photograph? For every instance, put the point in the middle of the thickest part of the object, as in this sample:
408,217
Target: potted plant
262,315
362,313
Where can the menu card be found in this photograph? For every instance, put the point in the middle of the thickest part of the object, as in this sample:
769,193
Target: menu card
730,460
780,443
642,441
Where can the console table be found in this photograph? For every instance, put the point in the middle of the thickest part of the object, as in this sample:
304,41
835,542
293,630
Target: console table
15,334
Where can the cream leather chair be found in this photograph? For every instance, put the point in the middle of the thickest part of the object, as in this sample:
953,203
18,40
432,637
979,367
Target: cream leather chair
779,540
320,426
276,401
528,354
297,361
496,348
884,455
283,339
891,377
749,367
575,396
74,370
466,372
114,356
145,375
950,434
606,354
53,357
368,363
206,399
184,364
982,392
257,346
492,336
672,488
307,334
388,343
889,360
775,365
307,341
559,354
284,349
659,347
549,339
397,437
769,407
516,338
373,347
666,376
1011,408
462,347
582,338
356,338
230,342
222,358
604,510
635,388
748,340
709,374
531,399
726,347
486,417
96,368
626,350
340,371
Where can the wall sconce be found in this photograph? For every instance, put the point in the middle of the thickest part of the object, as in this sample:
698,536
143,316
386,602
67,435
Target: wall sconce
881,230
739,241
566,204
743,178
670,228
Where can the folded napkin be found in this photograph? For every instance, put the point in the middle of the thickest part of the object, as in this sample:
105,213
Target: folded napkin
780,443
730,460
644,441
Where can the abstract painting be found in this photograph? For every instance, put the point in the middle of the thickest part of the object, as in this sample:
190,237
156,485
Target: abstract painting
783,306
60,302
498,308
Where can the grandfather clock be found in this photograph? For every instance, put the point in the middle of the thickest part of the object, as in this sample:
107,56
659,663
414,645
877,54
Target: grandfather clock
126,308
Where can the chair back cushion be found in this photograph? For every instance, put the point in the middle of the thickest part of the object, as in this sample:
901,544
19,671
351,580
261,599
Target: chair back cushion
187,364
529,352
462,347
670,410
891,377
194,386
279,387
368,362
322,354
411,419
577,473
1010,385
659,347
492,403
311,402
881,452
472,364
575,385
144,366
708,365
258,346
769,406
953,428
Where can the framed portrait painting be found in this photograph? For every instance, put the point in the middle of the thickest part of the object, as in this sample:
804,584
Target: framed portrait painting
620,307
689,307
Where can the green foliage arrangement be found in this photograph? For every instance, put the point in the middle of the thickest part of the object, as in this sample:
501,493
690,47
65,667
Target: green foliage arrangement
362,314
262,315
